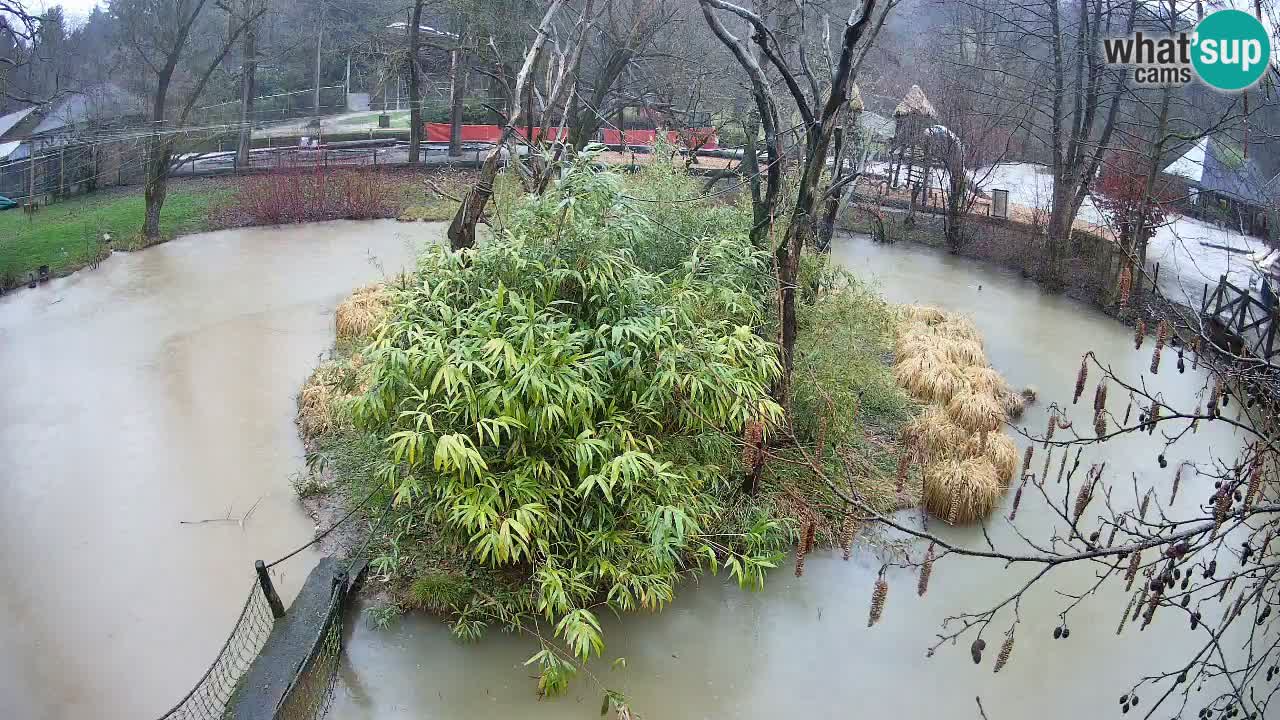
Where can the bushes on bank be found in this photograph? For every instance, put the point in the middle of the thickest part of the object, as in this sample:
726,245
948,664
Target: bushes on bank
552,406
319,193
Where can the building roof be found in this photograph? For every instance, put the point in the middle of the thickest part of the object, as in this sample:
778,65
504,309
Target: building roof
1216,165
100,102
875,125
8,122
8,148
915,103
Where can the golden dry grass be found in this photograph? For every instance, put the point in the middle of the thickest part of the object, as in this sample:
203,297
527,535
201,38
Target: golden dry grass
975,411
929,377
964,352
999,449
934,435
316,412
968,462
961,491
320,402
360,314
923,313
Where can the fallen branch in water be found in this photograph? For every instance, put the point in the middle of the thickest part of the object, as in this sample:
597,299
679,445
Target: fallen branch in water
226,518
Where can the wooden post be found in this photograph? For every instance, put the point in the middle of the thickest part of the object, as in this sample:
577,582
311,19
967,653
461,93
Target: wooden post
62,170
269,590
31,192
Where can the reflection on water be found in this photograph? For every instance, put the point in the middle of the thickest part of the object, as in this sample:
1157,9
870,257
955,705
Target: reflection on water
801,648
157,389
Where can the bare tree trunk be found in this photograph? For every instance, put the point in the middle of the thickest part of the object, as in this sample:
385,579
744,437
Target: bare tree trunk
462,230
158,157
248,88
415,86
457,92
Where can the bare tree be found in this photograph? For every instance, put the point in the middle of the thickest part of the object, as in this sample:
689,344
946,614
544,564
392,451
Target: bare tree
166,37
820,104
248,72
415,83
462,230
18,31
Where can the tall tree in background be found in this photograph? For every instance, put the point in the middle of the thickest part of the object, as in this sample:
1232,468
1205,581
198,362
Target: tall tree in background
462,230
627,32
248,72
18,31
820,105
415,83
180,47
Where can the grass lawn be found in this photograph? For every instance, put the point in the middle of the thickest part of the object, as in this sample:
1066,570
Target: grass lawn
67,235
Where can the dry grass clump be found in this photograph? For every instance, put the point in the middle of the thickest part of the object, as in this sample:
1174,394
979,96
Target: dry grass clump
320,402
964,352
976,411
961,491
933,433
968,462
360,314
923,313
928,377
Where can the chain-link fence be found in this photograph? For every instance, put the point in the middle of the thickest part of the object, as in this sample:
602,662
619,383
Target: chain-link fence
209,698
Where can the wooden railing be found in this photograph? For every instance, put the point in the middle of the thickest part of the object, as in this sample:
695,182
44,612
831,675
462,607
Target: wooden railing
1245,319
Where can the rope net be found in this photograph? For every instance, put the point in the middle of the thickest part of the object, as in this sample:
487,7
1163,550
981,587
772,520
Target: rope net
208,699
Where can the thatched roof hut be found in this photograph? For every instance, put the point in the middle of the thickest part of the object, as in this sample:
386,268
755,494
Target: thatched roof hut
915,103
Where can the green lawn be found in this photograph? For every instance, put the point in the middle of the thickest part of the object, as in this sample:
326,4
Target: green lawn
66,235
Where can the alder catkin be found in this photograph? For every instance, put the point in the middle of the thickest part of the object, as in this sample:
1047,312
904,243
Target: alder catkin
1005,651
847,528
1139,334
1142,508
1125,285
1220,508
1177,480
926,569
1162,335
1082,500
878,596
807,534
1128,609
1100,396
1135,560
1100,423
1026,459
904,464
1081,377
1255,482
1017,499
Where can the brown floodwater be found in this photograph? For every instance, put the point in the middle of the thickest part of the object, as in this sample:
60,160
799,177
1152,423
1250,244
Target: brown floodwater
801,647
158,389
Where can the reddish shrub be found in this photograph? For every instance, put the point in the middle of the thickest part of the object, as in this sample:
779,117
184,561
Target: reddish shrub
311,194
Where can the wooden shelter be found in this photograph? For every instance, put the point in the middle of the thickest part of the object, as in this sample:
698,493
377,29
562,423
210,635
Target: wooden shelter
910,146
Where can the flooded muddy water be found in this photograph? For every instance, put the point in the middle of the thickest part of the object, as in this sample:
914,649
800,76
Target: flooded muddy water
156,390
160,389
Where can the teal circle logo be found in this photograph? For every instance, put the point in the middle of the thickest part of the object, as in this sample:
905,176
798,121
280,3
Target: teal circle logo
1231,50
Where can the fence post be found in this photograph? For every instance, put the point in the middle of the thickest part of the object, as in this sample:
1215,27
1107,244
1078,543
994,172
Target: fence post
269,590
